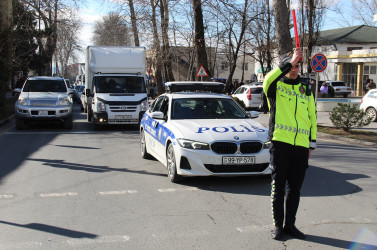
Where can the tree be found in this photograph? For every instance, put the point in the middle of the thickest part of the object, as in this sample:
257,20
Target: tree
164,12
310,20
282,15
365,10
133,21
67,42
199,39
263,37
24,42
6,50
111,31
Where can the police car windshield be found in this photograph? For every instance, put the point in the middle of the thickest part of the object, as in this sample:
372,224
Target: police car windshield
206,108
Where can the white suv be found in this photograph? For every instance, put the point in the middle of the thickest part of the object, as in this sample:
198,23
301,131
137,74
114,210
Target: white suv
250,95
44,98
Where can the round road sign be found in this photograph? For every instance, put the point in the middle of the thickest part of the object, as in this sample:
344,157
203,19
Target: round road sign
319,63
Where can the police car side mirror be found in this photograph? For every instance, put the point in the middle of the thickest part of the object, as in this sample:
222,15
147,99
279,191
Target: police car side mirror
253,114
157,115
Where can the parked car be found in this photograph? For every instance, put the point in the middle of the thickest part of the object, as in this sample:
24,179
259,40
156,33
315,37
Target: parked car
200,134
338,88
250,95
369,104
44,98
77,94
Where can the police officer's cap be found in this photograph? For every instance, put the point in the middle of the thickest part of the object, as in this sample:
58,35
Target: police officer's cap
286,58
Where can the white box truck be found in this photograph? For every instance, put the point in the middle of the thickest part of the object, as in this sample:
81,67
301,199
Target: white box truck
115,87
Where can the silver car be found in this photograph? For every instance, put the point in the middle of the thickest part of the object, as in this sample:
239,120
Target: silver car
44,98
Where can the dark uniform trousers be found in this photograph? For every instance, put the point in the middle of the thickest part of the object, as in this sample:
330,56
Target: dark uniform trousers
288,164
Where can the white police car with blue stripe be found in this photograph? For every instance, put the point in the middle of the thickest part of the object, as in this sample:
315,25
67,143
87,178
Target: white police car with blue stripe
203,133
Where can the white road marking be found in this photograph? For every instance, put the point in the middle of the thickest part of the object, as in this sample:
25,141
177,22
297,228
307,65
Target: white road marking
6,196
118,192
59,194
102,239
168,190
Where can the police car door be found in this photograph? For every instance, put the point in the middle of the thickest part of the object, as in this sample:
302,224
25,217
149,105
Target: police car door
160,126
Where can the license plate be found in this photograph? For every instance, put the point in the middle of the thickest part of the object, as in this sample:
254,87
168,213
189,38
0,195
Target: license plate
123,117
43,112
238,160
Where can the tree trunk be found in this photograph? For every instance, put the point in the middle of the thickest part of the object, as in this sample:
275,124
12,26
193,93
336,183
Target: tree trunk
199,40
133,21
283,36
165,40
6,50
157,49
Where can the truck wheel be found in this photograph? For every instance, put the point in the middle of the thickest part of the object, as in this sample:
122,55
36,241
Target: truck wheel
20,124
68,123
143,146
172,165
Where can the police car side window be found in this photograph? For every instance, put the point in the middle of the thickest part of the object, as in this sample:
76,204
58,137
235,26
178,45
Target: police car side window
157,104
165,106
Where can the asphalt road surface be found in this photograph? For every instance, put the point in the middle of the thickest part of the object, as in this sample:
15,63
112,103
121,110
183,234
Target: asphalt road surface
85,189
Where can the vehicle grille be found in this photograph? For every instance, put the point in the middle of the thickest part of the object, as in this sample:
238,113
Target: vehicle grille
232,147
43,103
250,147
34,112
224,147
128,109
255,168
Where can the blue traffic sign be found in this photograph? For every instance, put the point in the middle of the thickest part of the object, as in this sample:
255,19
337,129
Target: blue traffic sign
319,63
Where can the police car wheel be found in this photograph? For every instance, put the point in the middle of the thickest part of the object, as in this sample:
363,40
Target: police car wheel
171,165
143,146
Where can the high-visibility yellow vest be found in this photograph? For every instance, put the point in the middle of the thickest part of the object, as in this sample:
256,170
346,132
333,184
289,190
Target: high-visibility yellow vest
293,117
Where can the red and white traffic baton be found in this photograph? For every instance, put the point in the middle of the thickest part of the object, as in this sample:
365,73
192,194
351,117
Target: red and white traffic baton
296,32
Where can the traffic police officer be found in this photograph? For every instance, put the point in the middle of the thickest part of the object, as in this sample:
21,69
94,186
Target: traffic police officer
292,131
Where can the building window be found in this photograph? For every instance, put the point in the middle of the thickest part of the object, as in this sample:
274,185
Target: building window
354,48
373,70
366,70
246,66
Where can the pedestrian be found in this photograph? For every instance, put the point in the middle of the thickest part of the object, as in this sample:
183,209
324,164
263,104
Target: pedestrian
371,85
292,131
365,82
313,86
230,88
324,90
264,105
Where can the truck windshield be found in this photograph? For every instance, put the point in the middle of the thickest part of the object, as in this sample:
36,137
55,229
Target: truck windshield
45,86
119,84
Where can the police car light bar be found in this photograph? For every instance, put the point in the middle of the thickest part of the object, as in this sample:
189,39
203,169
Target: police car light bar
216,87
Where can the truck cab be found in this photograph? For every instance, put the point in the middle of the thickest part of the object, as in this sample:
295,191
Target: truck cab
115,85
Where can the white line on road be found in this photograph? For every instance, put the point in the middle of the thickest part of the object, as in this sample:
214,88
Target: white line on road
102,239
58,194
169,190
6,196
118,192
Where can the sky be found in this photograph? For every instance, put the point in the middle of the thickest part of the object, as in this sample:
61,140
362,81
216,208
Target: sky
95,10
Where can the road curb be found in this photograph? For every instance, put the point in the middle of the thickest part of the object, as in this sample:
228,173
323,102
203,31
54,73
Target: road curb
345,139
6,120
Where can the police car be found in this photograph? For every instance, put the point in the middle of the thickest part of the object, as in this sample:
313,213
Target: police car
194,130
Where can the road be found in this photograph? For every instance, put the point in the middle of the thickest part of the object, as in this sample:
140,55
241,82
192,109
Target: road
85,189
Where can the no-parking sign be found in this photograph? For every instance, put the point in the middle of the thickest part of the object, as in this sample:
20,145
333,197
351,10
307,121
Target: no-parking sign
319,63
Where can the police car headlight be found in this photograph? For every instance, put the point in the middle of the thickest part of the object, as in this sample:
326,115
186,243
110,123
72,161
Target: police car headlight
267,145
144,106
193,144
22,101
64,101
100,106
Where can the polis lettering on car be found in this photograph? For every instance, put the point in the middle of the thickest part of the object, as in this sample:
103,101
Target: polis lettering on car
226,129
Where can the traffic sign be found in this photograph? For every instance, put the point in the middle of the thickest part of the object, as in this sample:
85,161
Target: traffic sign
318,63
201,72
